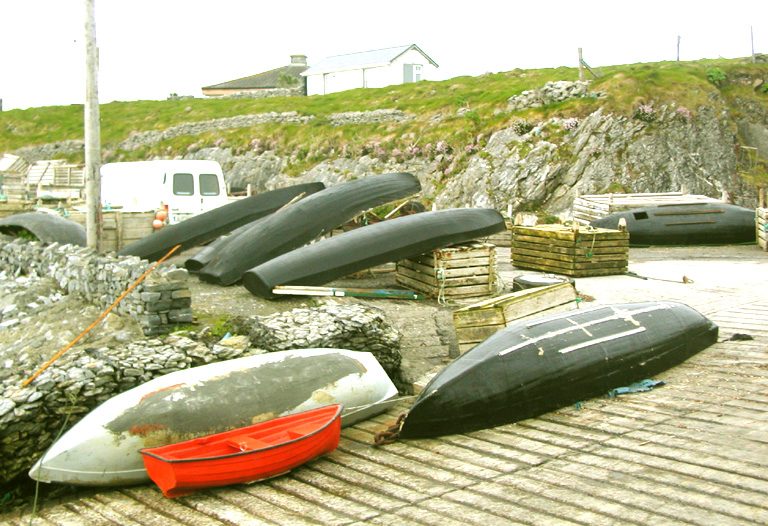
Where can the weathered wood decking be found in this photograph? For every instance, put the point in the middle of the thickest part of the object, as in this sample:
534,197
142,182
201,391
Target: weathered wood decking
694,451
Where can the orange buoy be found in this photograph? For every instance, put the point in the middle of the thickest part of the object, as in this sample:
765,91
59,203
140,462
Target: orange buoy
157,223
161,215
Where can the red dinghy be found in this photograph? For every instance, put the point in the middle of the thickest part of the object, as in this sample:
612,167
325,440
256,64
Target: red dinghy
246,454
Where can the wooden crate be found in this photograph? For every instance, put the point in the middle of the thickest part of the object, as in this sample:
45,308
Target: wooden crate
587,208
762,227
465,270
120,228
561,250
475,323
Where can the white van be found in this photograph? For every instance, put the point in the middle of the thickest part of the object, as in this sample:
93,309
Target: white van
183,188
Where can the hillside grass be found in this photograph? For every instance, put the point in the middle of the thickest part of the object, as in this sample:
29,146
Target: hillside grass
435,104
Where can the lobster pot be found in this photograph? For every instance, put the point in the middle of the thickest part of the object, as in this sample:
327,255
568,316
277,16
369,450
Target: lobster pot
578,253
762,227
475,323
464,270
120,228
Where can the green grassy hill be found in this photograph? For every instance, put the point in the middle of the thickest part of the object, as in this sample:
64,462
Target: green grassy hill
688,84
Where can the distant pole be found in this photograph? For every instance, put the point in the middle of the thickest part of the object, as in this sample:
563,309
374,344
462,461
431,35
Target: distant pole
92,132
752,40
678,49
581,66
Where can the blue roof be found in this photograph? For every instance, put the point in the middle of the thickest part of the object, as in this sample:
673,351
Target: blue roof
363,59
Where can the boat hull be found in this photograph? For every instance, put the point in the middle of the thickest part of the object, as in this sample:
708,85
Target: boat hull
303,222
370,246
209,225
47,227
246,454
528,369
685,224
103,448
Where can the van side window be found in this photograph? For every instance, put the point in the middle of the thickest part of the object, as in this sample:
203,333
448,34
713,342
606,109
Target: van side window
209,184
183,184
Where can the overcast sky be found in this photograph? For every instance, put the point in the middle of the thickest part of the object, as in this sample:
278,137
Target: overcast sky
151,48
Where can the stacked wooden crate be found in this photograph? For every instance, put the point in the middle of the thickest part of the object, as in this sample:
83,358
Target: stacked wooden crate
464,270
475,323
762,227
580,252
120,228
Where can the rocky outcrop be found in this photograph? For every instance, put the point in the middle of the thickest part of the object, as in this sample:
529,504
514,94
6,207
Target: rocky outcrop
545,165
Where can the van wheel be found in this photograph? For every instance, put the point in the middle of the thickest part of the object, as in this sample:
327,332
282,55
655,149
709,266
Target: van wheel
529,281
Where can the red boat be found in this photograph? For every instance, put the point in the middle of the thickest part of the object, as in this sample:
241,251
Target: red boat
246,454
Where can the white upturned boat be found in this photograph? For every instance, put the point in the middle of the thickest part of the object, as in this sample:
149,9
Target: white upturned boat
103,448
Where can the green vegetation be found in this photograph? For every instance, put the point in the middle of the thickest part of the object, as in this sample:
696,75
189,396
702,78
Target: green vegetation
456,115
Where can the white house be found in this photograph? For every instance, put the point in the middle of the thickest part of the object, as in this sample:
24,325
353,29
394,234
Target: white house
369,69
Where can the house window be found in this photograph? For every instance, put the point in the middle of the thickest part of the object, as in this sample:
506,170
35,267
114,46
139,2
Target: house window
183,184
209,184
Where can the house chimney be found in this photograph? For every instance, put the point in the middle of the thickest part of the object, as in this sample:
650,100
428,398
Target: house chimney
298,60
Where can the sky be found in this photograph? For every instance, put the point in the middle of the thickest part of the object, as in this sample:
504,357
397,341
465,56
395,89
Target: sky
149,49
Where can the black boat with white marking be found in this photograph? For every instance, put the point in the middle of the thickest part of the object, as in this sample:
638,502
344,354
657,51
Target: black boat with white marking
530,368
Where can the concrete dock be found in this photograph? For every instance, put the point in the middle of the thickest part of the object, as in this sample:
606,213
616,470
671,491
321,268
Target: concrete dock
693,452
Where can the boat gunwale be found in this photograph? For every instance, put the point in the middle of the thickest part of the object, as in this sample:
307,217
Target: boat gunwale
337,415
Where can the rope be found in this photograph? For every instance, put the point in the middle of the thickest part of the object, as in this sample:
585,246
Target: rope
389,435
103,315
440,276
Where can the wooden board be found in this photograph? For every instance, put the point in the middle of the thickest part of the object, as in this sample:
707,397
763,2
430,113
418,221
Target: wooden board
120,228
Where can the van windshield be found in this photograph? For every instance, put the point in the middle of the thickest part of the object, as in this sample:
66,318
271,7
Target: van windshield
183,184
209,184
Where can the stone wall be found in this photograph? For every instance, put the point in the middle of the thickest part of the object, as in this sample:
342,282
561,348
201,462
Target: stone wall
158,303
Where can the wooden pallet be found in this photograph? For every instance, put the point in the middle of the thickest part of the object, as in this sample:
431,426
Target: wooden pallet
120,228
460,271
475,323
762,227
561,250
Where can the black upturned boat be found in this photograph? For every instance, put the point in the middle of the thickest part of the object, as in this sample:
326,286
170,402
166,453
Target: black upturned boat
372,245
303,222
685,224
211,224
48,228
530,368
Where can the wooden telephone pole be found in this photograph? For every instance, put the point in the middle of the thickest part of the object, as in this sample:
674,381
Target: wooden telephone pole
92,132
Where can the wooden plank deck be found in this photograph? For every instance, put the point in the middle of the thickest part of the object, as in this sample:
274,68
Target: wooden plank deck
693,452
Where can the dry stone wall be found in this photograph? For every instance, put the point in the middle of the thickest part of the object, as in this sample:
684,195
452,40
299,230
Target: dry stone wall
158,303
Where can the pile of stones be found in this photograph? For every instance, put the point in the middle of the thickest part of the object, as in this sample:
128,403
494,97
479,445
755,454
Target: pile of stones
354,326
551,92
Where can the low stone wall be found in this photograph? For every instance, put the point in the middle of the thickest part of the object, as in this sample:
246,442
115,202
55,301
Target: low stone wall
150,138
368,117
158,303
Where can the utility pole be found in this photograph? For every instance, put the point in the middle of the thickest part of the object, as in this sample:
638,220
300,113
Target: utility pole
92,132
581,66
752,40
678,49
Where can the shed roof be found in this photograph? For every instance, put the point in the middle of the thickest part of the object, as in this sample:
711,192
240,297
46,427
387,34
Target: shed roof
266,80
363,59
